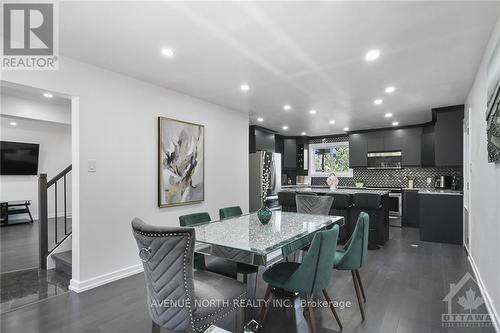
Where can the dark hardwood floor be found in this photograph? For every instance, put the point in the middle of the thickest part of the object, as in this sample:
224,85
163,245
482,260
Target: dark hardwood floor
19,244
405,286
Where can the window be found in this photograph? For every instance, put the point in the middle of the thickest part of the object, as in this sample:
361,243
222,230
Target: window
327,158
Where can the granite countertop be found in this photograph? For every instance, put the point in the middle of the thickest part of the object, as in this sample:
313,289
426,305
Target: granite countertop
438,191
326,190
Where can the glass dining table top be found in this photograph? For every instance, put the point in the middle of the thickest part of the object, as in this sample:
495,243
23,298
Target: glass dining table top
245,239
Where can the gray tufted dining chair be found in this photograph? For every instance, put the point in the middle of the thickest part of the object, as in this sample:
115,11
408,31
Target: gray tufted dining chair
314,204
177,294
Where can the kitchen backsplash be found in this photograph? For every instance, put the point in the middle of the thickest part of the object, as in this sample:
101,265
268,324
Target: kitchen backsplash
394,178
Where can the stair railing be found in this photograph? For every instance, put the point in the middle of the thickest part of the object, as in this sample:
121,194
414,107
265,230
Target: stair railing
43,214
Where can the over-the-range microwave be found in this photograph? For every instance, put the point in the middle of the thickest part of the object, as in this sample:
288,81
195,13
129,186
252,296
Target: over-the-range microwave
384,160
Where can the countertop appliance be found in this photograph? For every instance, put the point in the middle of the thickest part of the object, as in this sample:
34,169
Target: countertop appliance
265,167
443,182
384,160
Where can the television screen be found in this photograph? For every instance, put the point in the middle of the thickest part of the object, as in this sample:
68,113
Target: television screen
18,158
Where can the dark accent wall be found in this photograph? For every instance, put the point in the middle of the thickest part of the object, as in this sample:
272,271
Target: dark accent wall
261,139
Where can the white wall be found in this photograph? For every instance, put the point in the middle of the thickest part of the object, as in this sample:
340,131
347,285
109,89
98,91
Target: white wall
115,123
484,188
54,155
31,109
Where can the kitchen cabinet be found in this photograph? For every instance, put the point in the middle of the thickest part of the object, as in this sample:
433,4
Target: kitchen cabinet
406,140
448,136
427,146
357,150
289,153
410,208
261,139
441,217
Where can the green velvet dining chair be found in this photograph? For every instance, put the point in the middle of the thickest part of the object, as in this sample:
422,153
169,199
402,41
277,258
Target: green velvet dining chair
241,268
354,255
228,212
309,277
190,220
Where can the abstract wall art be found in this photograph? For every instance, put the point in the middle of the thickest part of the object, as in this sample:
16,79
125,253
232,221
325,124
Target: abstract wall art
180,163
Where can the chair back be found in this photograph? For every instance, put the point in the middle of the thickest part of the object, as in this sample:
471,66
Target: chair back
192,219
228,212
315,271
286,200
314,204
167,257
356,248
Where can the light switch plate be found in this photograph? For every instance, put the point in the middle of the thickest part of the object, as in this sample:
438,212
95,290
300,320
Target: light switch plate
92,166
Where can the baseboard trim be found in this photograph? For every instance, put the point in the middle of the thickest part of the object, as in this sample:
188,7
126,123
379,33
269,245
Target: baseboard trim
486,296
81,286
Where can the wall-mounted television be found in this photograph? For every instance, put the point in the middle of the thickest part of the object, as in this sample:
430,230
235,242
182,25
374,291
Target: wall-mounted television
18,158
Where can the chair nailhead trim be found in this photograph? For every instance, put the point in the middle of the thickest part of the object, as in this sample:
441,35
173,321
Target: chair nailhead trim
218,318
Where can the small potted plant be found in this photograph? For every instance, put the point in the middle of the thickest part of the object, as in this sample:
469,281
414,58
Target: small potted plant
332,181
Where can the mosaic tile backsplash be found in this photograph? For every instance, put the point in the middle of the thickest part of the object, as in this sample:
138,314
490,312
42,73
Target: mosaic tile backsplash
394,178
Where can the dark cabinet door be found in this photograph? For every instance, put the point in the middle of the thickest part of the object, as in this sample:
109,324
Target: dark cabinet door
449,136
427,146
374,141
393,140
410,208
290,153
357,150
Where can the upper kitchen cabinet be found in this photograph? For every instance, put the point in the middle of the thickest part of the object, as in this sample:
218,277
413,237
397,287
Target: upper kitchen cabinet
406,140
411,143
448,136
302,151
261,139
442,141
357,150
290,153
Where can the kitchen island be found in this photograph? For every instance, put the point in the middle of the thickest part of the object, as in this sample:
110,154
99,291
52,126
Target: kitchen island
379,218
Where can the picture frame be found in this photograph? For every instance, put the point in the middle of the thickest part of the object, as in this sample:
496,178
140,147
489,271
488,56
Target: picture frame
181,162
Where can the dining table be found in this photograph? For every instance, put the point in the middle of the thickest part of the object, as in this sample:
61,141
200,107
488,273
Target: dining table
246,240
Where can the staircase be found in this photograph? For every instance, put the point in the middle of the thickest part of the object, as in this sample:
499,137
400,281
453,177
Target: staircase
63,262
54,231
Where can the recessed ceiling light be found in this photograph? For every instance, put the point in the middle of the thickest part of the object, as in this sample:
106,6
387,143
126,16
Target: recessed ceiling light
303,133
287,107
395,123
388,115
245,87
285,127
346,129
378,101
13,123
48,95
372,55
390,89
260,119
312,111
332,121
169,53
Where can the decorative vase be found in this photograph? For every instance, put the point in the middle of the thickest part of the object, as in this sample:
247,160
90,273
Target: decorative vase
264,214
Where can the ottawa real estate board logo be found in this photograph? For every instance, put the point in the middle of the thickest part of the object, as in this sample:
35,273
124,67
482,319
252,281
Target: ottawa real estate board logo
465,306
30,36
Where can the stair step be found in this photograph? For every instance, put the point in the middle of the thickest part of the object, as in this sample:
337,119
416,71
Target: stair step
63,262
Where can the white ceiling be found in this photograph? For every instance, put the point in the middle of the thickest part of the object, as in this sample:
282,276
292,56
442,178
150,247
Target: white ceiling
308,55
